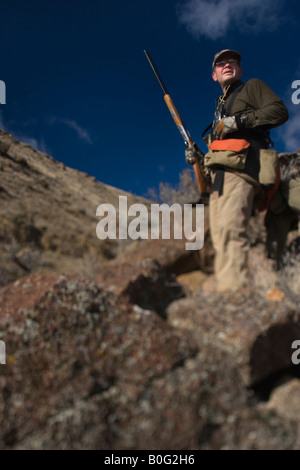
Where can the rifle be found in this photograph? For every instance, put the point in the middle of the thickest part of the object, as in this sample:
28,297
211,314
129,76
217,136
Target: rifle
188,142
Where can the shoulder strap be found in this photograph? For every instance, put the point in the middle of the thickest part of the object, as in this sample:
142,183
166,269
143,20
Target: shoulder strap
229,108
205,130
232,98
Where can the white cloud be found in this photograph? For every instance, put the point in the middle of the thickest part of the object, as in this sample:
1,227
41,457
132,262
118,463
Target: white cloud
35,143
21,137
214,18
38,145
290,133
82,133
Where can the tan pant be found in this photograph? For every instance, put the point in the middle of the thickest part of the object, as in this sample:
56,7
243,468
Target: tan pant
229,217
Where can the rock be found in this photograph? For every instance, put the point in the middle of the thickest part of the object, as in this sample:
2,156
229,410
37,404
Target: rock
275,294
285,400
172,253
125,344
48,215
82,366
192,281
144,283
257,335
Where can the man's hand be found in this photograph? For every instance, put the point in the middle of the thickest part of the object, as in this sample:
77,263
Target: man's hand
225,126
193,154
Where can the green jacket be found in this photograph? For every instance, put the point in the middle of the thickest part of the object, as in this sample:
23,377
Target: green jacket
264,110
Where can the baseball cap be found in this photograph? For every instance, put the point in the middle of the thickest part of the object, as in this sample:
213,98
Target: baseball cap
234,54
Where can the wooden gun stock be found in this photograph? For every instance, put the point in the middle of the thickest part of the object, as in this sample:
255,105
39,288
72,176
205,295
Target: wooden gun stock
199,176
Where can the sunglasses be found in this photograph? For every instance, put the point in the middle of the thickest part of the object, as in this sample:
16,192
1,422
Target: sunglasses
222,63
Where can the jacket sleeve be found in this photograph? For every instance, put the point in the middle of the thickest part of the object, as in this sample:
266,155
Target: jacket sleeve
264,108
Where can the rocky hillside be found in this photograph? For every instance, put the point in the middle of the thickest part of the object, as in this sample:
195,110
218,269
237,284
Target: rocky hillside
48,215
122,345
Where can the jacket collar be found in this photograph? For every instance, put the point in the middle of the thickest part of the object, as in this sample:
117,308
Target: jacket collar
231,88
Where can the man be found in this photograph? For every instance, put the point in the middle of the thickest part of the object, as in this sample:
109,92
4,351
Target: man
245,112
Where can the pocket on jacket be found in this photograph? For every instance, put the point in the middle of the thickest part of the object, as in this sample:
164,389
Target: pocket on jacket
229,152
291,193
268,159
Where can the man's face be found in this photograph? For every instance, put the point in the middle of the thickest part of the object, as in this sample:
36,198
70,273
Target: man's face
226,71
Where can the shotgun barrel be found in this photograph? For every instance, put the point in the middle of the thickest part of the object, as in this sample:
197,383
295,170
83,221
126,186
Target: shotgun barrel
188,142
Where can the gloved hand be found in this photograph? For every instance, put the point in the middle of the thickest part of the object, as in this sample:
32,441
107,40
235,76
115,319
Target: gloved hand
193,154
226,125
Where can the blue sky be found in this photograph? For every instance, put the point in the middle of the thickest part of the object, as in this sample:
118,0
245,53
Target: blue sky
79,87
